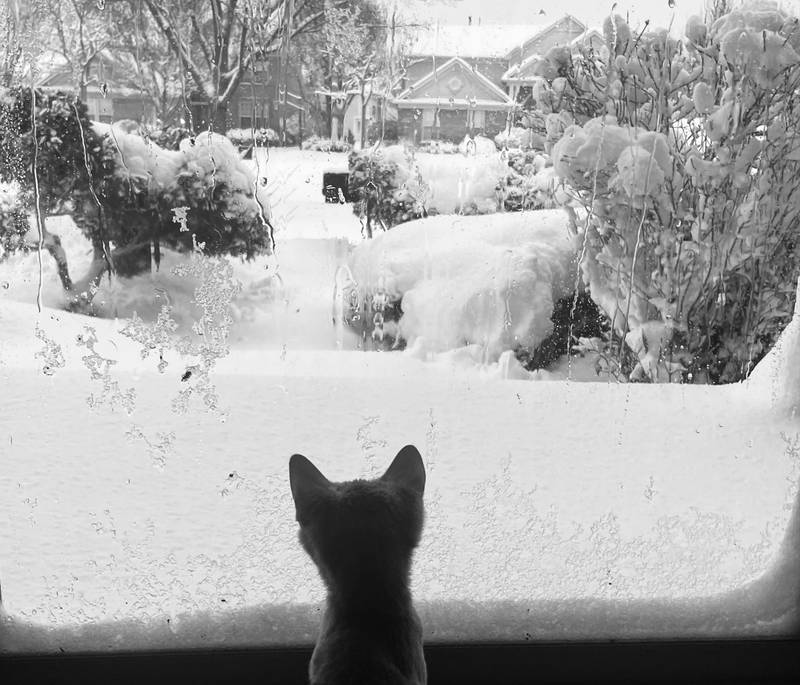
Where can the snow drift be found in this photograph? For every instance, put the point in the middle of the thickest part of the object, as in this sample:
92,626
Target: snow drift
485,280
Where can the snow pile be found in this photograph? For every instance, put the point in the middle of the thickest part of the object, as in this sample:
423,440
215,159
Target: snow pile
484,280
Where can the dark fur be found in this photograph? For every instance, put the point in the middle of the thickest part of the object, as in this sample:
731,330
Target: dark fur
361,535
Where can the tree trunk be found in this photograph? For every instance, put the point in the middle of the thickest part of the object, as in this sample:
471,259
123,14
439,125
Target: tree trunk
219,117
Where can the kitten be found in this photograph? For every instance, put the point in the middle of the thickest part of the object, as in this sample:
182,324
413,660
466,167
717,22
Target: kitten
361,535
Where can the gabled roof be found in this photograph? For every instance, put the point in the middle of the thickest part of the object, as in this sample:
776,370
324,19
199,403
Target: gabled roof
440,74
587,36
558,23
517,71
475,40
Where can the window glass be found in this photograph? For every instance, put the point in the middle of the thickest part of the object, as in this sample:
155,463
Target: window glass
554,249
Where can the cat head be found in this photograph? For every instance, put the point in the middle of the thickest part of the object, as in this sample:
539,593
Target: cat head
346,523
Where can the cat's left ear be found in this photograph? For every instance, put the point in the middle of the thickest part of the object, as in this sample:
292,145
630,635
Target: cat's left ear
407,469
307,483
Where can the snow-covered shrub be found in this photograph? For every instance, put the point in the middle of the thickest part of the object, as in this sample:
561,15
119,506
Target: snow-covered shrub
326,145
13,220
477,146
126,194
688,177
201,193
70,160
59,163
515,138
245,137
460,280
170,137
531,182
384,187
438,147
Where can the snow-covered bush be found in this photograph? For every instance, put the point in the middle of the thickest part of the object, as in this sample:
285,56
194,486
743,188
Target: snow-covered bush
385,189
13,220
685,157
438,147
169,137
516,138
477,146
126,194
245,137
70,159
326,145
459,280
201,193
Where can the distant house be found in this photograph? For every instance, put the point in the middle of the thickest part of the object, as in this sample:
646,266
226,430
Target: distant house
451,100
107,98
467,79
258,102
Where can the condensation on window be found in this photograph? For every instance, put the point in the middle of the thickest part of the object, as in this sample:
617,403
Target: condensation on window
554,253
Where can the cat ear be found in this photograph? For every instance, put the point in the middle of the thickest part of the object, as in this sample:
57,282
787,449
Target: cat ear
407,469
306,481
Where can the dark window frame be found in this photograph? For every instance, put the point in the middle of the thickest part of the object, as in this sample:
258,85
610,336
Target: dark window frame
770,660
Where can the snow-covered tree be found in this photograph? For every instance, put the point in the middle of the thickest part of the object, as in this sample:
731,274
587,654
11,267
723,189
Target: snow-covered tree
79,31
216,42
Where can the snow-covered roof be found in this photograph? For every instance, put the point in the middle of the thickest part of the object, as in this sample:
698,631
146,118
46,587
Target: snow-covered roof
476,40
516,71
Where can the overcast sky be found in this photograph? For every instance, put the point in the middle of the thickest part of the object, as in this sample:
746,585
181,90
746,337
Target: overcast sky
590,12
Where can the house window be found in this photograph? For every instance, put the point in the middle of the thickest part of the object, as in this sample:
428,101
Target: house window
252,114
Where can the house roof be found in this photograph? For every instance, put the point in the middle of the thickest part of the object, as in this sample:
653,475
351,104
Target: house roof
476,40
565,19
496,94
517,72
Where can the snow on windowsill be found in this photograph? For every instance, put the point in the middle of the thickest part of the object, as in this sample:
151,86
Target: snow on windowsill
569,510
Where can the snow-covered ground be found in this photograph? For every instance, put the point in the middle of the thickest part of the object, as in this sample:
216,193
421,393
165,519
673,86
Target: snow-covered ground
557,509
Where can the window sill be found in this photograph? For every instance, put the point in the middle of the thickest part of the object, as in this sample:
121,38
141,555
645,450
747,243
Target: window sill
726,661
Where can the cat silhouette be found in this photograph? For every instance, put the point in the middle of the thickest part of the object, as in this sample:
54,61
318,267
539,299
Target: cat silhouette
361,535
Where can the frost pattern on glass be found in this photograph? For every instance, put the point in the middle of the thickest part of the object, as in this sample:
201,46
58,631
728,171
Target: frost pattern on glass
158,449
51,355
100,370
213,295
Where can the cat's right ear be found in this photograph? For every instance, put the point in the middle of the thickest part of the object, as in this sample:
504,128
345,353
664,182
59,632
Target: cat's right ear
407,469
307,483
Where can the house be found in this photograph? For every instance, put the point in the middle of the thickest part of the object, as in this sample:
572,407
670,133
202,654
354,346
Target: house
452,99
108,96
468,79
